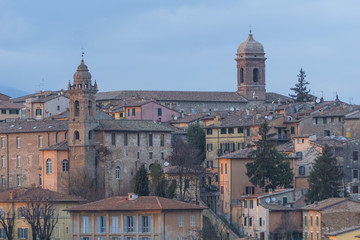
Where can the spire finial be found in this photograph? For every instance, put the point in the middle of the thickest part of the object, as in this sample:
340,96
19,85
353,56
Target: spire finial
82,53
250,29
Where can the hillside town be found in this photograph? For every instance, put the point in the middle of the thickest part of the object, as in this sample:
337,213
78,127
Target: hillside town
78,163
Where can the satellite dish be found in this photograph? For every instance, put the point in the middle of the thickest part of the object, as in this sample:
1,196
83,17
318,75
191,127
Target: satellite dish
317,100
273,199
232,109
166,164
175,118
269,117
267,200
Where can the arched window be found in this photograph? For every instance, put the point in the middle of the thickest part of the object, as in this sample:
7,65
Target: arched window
255,75
57,139
76,108
90,135
90,108
241,75
76,136
65,165
117,172
48,166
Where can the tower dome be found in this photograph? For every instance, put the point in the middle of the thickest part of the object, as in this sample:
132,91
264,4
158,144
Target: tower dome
250,46
82,72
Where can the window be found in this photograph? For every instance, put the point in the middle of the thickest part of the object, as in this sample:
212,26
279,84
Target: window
285,200
245,203
292,130
311,220
90,110
162,155
114,224
18,161
256,75
248,132
209,164
241,75
2,142
101,224
251,203
145,224
324,120
221,188
18,142
113,139
217,178
129,112
222,168
223,131
40,141
299,155
301,170
209,131
339,119
240,130
58,108
162,140
316,121
3,163
192,220
250,221
20,212
138,155
76,135
133,112
305,220
355,189
159,111
225,168
150,140
250,190
317,220
85,225
300,140
90,135
22,233
3,111
187,183
150,155
40,180
260,222
138,139
326,132
76,108
317,236
48,166
245,221
306,236
311,236
125,139
65,165
38,112
57,138
117,172
181,221
355,155
18,178
3,180
129,224
231,130
209,147
355,173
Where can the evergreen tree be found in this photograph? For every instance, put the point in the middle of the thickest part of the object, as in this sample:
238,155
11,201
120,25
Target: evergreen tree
142,182
301,94
270,168
325,178
161,188
196,137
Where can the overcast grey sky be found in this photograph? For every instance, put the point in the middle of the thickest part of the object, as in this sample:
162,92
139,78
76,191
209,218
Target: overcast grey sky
180,45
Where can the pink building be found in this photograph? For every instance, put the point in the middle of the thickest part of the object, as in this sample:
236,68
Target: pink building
149,110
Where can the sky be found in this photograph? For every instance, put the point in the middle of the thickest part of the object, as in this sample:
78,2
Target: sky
179,45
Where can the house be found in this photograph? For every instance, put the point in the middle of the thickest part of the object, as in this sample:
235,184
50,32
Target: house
19,198
132,217
270,215
350,233
9,110
328,216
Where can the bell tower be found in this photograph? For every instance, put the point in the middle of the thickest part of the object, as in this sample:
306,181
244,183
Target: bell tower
81,137
250,59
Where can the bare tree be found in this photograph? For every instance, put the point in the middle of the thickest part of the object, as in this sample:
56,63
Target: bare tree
187,167
7,221
42,216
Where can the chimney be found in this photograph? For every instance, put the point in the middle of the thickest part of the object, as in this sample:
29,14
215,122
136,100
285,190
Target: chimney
132,196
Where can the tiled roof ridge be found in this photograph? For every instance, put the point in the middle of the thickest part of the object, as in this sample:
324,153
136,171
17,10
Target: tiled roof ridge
157,199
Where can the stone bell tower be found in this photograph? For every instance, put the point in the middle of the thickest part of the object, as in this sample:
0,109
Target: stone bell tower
250,59
81,137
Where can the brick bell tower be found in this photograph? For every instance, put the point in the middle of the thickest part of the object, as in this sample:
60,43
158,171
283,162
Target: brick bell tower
250,59
81,137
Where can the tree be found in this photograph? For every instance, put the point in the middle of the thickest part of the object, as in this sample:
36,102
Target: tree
158,182
325,178
196,137
270,168
7,221
187,167
142,182
42,216
301,94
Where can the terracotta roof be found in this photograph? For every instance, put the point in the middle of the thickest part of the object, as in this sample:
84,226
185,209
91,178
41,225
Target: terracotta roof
7,105
277,207
174,170
338,109
243,153
191,118
121,203
61,146
24,126
132,125
353,115
333,141
44,99
266,194
342,231
24,195
325,203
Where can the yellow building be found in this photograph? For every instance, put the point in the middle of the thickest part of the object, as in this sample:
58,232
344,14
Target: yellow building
345,234
10,110
20,198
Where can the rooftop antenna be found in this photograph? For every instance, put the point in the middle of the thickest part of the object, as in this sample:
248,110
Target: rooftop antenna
250,29
82,53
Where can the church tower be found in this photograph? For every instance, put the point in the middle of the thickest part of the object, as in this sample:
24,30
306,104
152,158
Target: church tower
81,137
250,59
